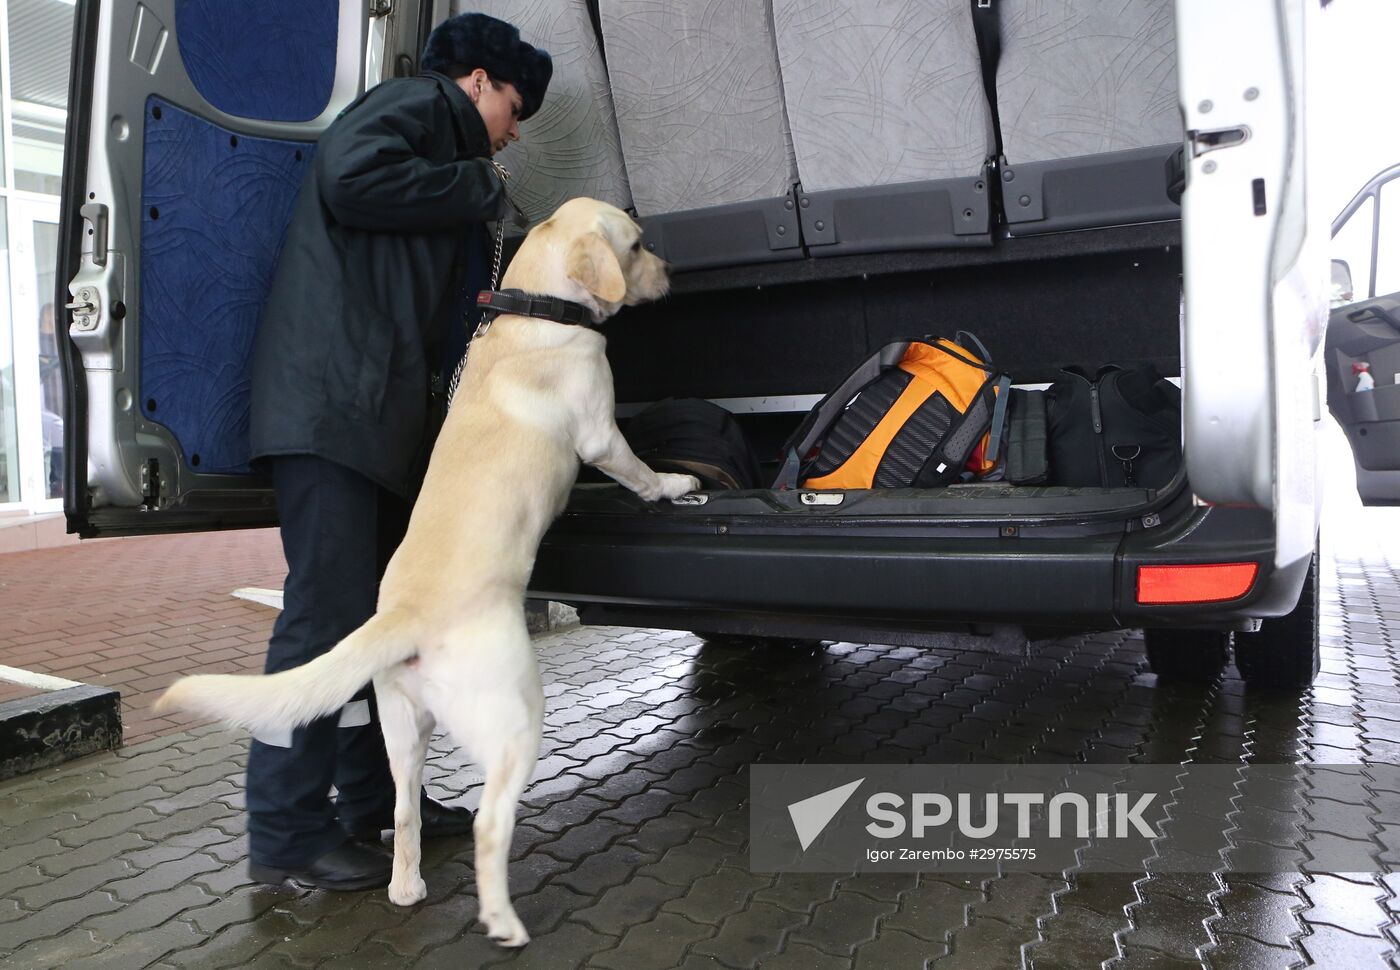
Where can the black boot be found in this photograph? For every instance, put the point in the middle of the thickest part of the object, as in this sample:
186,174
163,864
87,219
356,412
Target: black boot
439,822
351,866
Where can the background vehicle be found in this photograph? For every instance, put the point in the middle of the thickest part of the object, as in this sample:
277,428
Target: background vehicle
1364,325
821,183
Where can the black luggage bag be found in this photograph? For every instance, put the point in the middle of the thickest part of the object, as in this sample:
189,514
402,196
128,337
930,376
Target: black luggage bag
1119,428
694,437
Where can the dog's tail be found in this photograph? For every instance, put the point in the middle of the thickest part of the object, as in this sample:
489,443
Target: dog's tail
291,698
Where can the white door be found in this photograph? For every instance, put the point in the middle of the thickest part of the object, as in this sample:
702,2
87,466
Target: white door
32,442
1255,266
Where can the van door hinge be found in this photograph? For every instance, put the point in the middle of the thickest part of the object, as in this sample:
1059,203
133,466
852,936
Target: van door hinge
380,8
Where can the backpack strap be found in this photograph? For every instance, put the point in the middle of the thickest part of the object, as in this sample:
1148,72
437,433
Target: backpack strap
968,340
826,411
998,418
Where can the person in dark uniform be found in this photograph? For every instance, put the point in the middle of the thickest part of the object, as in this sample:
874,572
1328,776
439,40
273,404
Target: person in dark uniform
348,368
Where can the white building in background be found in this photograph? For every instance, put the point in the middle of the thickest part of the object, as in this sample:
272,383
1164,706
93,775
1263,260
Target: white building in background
35,41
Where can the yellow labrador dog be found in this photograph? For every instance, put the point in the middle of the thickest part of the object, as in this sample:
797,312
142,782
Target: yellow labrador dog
448,645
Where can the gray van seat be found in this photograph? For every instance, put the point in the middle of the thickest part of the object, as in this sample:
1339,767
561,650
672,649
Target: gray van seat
1088,101
889,122
570,147
700,113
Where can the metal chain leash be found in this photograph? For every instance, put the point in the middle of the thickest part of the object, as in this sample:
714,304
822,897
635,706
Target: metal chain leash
495,277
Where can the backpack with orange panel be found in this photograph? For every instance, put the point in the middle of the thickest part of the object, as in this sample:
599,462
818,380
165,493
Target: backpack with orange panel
918,413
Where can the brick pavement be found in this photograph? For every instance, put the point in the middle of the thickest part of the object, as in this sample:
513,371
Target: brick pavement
631,848
134,614
14,692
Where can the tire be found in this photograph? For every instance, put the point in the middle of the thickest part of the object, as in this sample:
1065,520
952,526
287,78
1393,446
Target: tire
738,641
1193,656
1285,653
720,639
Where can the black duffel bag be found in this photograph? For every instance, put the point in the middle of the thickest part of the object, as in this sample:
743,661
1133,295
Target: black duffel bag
1118,428
694,437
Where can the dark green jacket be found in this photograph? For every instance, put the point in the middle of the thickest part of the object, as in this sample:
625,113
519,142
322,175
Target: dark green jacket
370,280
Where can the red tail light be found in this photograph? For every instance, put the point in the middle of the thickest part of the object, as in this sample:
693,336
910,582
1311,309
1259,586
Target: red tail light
1204,583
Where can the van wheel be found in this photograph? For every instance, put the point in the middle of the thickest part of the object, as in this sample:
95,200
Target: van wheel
1195,656
1285,653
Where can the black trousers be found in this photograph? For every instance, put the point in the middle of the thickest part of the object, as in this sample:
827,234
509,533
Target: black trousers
338,531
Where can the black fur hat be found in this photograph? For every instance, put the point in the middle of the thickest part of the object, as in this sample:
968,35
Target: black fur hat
461,44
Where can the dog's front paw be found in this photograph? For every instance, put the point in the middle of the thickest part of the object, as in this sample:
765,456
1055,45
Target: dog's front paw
505,928
674,486
407,891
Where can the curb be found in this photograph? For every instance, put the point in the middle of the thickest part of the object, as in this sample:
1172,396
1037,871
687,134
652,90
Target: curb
57,726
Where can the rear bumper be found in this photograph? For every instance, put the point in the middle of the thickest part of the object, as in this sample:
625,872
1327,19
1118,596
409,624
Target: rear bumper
907,579
956,581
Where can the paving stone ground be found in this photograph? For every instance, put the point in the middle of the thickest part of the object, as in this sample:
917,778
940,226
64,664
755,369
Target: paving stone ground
631,850
14,692
134,614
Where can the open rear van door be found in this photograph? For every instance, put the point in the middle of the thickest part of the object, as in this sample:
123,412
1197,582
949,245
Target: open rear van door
192,123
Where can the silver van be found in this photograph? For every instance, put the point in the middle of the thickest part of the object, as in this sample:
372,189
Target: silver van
1073,182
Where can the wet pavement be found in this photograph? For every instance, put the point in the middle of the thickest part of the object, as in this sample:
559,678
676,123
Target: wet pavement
631,850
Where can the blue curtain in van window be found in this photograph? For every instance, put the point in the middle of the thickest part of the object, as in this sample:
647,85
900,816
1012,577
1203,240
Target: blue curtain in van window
268,59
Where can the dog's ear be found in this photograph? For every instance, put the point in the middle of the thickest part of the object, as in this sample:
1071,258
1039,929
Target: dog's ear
592,264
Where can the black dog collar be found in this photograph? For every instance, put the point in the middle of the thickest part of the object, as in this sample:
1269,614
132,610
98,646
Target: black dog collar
496,302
